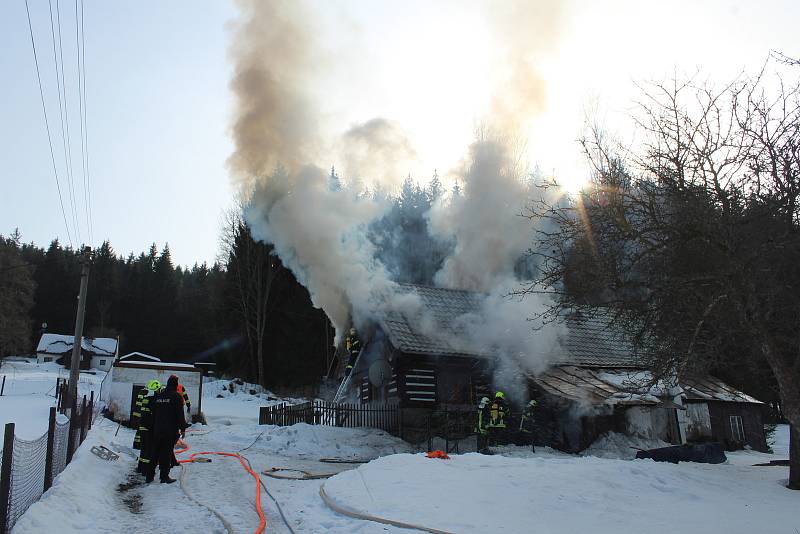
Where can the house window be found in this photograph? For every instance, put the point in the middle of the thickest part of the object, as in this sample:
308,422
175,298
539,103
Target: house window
737,428
102,363
48,359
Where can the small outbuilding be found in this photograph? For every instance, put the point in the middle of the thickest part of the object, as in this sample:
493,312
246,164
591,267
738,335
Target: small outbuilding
96,353
128,378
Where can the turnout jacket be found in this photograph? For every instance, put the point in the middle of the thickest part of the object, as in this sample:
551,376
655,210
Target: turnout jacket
168,419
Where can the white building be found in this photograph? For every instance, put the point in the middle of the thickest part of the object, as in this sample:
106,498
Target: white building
127,378
97,353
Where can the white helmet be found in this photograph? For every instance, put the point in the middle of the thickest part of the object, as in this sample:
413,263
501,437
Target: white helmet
484,401
533,402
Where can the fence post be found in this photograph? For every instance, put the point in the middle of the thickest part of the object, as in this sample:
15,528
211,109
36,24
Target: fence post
3,387
48,459
5,476
73,419
84,413
91,408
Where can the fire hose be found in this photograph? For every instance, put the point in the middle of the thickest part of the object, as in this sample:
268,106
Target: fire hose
245,464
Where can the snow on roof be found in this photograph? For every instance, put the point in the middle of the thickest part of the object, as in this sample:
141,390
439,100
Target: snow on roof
62,344
583,384
627,387
149,364
711,388
139,355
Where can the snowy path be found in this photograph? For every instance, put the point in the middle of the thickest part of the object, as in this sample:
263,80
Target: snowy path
226,487
513,491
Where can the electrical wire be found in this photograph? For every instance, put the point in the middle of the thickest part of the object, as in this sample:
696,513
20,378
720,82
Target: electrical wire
86,126
81,113
47,125
65,123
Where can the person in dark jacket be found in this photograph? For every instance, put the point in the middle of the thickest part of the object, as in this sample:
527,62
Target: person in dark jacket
145,429
168,424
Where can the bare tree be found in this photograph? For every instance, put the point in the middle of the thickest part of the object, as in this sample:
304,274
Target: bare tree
255,270
694,236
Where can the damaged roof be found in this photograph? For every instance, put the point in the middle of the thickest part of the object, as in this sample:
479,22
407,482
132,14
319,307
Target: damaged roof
581,384
711,388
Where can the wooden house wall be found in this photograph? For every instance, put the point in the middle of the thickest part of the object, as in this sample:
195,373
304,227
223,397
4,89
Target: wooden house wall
752,420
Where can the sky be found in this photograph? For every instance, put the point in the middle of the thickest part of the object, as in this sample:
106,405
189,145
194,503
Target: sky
159,108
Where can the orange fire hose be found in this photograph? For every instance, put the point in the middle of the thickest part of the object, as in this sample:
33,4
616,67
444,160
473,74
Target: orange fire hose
262,520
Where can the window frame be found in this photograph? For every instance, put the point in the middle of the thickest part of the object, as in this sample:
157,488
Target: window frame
737,428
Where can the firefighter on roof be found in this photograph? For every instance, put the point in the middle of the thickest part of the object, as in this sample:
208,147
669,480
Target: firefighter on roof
353,346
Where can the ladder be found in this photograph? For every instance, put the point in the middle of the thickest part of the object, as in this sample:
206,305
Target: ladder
345,385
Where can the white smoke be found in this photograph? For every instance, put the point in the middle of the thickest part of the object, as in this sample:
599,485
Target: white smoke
322,234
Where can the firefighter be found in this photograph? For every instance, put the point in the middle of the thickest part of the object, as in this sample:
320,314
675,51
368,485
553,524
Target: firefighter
143,438
527,424
498,413
184,396
168,424
353,346
480,427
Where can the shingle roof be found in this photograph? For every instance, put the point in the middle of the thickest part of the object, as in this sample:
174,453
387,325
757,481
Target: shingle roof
442,306
591,340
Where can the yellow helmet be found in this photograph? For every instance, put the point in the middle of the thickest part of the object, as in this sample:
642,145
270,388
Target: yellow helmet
154,385
499,395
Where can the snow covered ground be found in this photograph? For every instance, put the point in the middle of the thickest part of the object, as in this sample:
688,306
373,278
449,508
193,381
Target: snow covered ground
30,392
513,491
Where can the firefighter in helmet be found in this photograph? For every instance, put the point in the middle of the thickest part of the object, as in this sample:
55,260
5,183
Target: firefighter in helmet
352,345
144,430
527,424
498,416
481,426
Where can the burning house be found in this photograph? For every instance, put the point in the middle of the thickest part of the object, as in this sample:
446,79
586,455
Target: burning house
596,382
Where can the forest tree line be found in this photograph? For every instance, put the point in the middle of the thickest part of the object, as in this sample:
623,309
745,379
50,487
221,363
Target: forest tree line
245,311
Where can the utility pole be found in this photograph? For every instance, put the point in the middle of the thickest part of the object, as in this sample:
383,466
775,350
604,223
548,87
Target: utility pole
74,368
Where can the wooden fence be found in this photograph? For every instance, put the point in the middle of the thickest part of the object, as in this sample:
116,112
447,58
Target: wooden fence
385,417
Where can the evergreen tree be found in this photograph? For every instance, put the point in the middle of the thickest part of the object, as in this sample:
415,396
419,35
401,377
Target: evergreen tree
16,297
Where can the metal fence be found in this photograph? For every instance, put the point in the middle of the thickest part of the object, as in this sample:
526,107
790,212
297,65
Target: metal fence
28,467
385,417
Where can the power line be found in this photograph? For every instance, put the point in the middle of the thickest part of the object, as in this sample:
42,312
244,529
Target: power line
47,124
65,119
81,117
86,126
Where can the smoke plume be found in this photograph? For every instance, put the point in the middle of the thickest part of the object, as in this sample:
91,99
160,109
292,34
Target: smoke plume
274,121
321,233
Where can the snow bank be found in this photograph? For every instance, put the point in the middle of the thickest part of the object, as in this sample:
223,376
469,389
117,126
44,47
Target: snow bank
310,441
475,493
30,392
85,497
621,447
